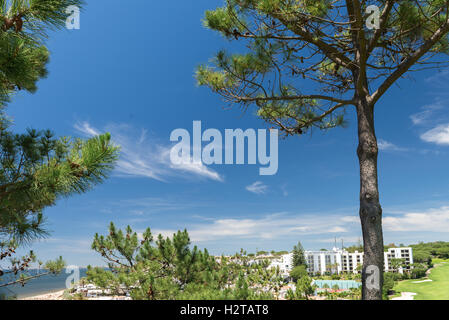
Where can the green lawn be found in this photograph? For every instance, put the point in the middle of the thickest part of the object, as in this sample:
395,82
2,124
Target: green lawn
437,289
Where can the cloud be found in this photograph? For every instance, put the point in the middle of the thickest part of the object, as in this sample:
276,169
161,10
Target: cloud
420,117
196,168
143,209
338,229
428,112
269,227
316,228
257,187
439,79
388,146
69,245
434,118
284,190
320,227
353,219
144,157
431,220
86,129
438,135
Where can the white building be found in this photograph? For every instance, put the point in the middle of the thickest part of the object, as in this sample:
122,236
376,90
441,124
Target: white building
406,254
324,261
351,262
284,263
337,260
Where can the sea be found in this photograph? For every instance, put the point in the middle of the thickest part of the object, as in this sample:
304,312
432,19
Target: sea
42,285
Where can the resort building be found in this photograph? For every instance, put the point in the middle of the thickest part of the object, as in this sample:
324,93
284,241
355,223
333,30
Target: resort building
405,254
323,261
351,262
284,263
338,260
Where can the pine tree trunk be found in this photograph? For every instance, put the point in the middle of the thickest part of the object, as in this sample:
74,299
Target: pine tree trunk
370,209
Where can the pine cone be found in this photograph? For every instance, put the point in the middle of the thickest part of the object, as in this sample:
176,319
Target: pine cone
8,23
19,24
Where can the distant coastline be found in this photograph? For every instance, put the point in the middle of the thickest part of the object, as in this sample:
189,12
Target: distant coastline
53,295
45,285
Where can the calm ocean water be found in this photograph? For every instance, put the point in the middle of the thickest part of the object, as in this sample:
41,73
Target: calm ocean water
44,284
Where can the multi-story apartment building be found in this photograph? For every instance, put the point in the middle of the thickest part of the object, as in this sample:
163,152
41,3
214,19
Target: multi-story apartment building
284,263
337,261
323,261
405,254
351,261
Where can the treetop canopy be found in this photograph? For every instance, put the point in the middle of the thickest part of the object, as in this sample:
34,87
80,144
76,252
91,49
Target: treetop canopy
291,43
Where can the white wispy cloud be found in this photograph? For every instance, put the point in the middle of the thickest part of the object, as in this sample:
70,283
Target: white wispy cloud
86,129
388,146
439,79
315,228
144,157
438,135
428,112
284,190
195,167
434,117
431,220
142,209
82,246
270,227
257,187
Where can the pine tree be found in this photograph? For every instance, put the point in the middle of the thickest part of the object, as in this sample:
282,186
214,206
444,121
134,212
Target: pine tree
24,25
298,272
37,169
17,272
298,255
149,269
168,268
304,289
242,291
292,44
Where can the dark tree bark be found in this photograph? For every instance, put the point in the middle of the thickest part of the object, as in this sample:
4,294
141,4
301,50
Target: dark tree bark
370,209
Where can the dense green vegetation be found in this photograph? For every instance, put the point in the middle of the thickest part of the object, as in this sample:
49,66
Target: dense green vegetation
437,289
167,268
298,272
298,255
157,268
423,252
425,256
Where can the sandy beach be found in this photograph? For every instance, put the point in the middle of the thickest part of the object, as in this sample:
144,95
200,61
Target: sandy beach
57,295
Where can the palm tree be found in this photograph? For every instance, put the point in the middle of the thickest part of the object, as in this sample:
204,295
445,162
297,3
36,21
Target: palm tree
396,264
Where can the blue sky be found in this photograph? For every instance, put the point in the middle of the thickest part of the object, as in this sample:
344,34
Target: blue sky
129,70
